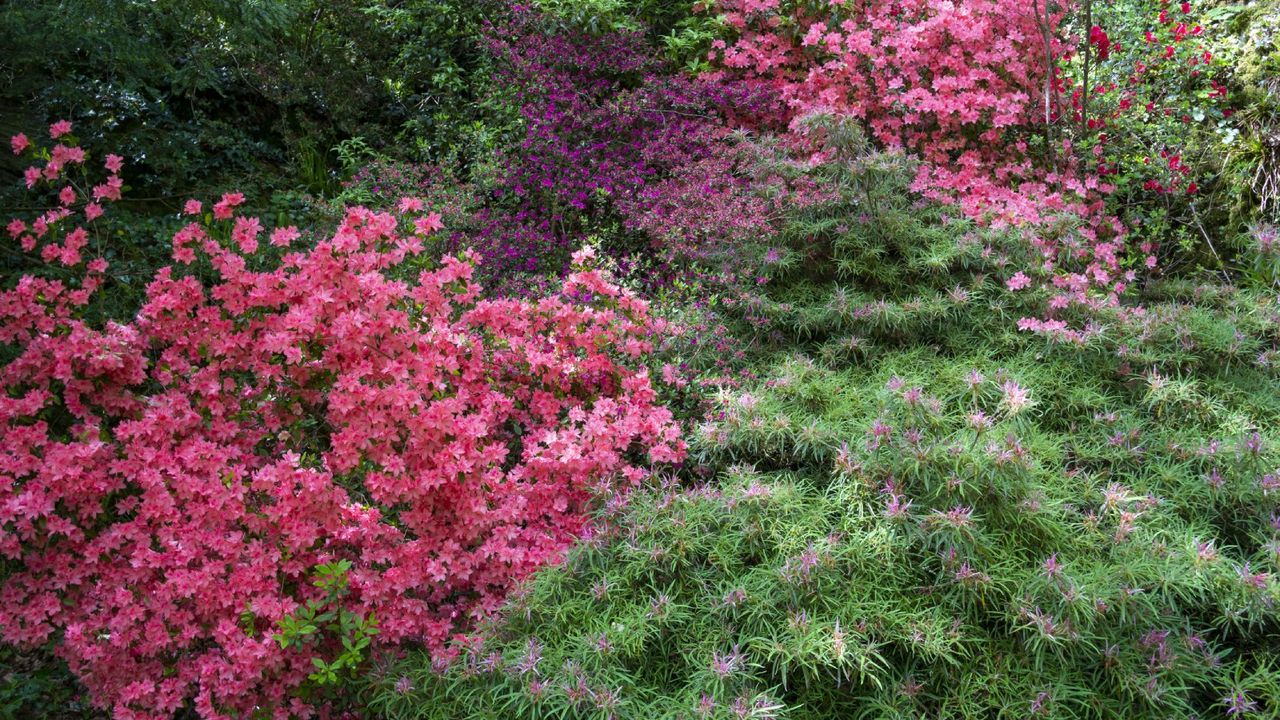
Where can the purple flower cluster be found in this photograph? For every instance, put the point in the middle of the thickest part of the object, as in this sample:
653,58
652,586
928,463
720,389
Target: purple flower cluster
609,141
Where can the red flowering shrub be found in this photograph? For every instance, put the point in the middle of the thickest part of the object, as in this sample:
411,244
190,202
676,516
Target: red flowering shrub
1154,119
169,485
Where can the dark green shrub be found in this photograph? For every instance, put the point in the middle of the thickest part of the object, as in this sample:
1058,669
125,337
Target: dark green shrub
210,93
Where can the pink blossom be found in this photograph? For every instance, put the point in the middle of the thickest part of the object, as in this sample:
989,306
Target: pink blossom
19,143
282,237
245,234
224,208
1019,281
109,190
196,508
59,128
1015,398
584,256
428,224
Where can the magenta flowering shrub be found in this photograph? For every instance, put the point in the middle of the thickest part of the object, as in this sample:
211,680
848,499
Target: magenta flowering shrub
713,205
601,124
169,485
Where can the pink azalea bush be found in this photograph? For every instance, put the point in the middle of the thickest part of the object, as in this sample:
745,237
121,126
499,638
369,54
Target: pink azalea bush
169,484
59,243
963,84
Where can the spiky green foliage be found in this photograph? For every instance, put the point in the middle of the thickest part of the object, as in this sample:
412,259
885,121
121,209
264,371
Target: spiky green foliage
867,258
896,554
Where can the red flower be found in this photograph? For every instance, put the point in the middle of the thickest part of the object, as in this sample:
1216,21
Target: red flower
1098,38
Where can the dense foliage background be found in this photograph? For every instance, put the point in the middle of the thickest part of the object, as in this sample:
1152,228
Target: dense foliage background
640,359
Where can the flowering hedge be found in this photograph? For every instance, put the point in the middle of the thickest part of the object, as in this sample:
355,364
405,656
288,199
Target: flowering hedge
168,485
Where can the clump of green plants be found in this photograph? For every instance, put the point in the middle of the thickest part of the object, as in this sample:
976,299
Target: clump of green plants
683,28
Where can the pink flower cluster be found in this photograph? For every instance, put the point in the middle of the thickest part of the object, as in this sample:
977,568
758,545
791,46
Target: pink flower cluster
54,231
168,485
957,83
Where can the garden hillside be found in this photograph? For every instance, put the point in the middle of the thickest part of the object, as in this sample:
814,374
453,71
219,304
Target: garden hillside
651,359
